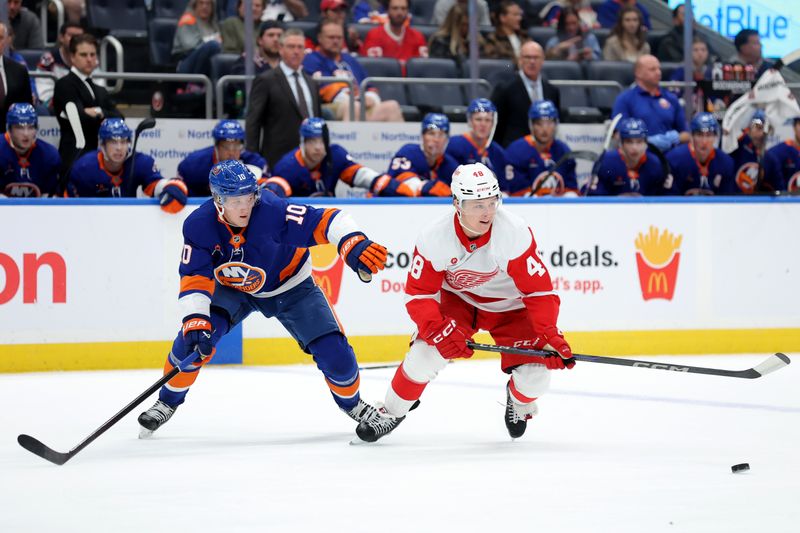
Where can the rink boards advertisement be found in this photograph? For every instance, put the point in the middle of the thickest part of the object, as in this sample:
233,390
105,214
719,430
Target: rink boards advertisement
95,285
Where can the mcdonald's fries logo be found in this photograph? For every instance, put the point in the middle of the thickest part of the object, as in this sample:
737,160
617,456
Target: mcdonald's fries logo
327,268
657,259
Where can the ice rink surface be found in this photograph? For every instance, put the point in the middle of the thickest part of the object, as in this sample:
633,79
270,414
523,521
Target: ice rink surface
614,449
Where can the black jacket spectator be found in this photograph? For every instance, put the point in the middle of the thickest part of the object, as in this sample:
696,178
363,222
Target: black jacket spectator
17,87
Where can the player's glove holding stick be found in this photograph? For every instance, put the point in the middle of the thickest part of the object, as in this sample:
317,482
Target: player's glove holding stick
553,340
364,256
449,339
197,336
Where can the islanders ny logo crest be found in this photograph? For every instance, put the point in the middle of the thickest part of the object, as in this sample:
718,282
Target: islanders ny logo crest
327,269
657,259
241,276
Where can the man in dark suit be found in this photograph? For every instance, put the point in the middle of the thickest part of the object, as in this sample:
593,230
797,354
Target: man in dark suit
93,101
15,85
513,98
279,101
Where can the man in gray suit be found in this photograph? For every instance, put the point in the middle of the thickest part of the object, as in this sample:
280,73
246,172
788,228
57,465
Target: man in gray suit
279,101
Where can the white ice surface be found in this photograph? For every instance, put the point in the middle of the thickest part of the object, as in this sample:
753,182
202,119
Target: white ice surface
614,449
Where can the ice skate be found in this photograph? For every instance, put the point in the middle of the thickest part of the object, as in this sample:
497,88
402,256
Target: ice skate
377,426
361,412
154,418
517,416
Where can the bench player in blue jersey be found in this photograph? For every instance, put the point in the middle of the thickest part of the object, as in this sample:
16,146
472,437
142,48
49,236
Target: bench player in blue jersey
112,171
788,155
245,252
28,166
698,168
477,146
228,145
757,169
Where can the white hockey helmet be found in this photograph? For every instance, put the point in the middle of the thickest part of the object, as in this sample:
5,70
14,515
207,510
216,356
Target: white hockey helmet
474,182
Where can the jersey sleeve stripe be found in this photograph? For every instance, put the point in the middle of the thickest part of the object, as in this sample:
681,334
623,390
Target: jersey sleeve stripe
344,391
543,293
197,283
406,176
348,173
282,183
321,231
291,268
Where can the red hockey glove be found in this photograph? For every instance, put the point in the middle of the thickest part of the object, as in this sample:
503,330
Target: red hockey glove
364,256
173,196
197,335
552,339
449,339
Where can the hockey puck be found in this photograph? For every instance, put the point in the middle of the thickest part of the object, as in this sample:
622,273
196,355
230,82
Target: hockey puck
743,467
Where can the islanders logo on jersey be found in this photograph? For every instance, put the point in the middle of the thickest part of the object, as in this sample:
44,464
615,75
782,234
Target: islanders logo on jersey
468,279
747,177
657,260
548,184
793,185
241,276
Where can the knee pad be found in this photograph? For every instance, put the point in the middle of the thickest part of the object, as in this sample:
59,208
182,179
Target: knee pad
423,362
334,357
531,379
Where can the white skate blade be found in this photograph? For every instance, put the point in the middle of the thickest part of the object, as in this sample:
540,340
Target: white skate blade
358,442
144,433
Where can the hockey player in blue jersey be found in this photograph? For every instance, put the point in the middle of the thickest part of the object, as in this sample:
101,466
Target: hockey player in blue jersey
228,145
112,171
631,170
245,252
426,167
531,160
698,168
756,169
29,166
788,155
477,145
319,168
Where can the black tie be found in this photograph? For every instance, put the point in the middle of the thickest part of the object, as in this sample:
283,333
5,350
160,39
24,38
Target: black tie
2,90
301,99
92,90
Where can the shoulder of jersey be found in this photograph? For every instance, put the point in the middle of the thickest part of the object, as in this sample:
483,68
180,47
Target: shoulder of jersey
436,233
511,234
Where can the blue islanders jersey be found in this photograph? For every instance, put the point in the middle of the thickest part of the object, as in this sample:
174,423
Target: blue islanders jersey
689,176
266,258
527,169
746,165
787,154
291,177
194,168
90,178
464,150
613,177
31,175
409,163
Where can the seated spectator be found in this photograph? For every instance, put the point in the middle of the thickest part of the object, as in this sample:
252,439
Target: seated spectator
336,11
266,54
26,25
670,48
531,161
232,28
451,40
197,38
660,110
425,168
442,9
112,172
228,144
507,39
56,61
285,10
551,12
757,170
697,167
395,38
30,166
630,171
608,12
701,70
318,168
749,51
13,55
570,42
369,11
477,146
788,155
627,41
16,84
329,60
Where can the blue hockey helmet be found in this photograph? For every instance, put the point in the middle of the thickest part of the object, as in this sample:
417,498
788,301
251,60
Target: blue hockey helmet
228,130
114,128
704,122
481,105
312,128
21,115
543,109
632,128
436,121
759,117
231,178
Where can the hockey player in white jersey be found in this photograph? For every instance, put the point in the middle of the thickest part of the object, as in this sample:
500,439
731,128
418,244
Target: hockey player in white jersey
476,269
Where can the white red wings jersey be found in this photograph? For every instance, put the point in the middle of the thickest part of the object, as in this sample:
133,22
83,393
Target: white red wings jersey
499,271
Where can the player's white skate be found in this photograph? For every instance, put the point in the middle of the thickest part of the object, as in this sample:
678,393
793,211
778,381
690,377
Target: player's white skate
378,426
154,418
517,416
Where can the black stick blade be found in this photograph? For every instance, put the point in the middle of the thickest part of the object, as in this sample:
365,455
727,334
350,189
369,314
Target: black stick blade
37,448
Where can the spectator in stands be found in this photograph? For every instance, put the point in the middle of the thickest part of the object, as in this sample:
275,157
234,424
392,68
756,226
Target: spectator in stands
285,10
757,170
56,61
336,11
788,155
608,12
74,10
660,110
586,14
330,60
369,11
627,41
477,146
15,84
13,55
266,54
507,39
748,51
570,42
670,48
27,28
519,92
443,7
701,71
232,28
697,167
30,166
395,38
451,40
197,38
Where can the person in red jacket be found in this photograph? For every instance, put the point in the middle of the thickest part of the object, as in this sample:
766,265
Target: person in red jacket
396,38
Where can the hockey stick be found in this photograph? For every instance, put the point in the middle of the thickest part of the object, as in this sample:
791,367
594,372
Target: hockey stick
71,111
575,154
146,124
36,447
609,136
771,364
